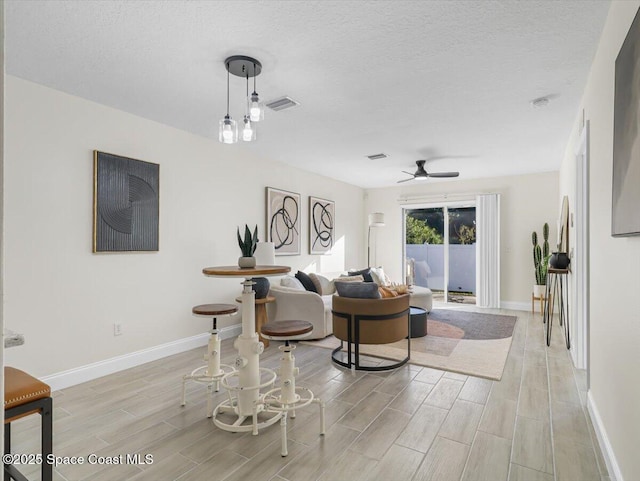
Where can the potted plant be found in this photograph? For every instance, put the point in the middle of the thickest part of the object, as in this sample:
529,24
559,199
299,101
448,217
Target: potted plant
560,259
540,261
247,247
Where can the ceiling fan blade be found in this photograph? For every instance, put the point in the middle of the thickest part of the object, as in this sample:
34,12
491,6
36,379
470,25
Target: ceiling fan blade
441,157
408,173
405,180
444,174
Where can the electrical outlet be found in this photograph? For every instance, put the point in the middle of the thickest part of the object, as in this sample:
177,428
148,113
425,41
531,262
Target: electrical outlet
117,329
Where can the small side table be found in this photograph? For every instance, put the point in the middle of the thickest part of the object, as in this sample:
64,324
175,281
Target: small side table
261,315
418,322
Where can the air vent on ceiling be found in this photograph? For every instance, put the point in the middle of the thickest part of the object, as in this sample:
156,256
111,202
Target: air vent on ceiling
377,156
281,103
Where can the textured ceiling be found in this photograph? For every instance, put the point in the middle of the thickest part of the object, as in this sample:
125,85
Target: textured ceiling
413,79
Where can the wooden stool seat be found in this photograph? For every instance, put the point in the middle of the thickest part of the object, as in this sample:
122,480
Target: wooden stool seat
25,395
283,330
212,310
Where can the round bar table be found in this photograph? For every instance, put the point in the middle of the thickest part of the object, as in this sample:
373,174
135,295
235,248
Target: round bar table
248,402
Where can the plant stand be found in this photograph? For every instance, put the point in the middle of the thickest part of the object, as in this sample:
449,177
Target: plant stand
542,299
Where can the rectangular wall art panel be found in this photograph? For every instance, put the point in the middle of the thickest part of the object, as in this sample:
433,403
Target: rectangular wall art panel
625,207
125,204
322,218
283,221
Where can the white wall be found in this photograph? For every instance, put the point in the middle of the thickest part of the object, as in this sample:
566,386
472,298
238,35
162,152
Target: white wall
615,263
527,202
64,298
1,208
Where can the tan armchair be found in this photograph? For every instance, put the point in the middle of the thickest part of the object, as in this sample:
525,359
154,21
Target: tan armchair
369,321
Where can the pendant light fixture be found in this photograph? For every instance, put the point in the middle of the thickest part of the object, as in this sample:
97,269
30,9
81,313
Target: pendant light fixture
248,129
228,128
256,108
245,67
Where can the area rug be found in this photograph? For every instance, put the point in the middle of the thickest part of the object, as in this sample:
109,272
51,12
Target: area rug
465,342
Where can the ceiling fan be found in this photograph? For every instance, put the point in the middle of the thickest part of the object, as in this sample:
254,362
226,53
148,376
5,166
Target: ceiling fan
421,174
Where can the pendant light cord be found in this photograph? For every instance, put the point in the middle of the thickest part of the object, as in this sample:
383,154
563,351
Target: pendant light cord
254,80
227,89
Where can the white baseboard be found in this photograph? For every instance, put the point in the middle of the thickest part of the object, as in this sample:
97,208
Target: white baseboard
98,369
603,440
515,306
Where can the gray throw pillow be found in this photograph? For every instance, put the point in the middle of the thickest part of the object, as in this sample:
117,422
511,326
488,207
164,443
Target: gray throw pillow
358,290
366,273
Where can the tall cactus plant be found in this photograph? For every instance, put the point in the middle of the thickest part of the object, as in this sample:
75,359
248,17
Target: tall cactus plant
541,255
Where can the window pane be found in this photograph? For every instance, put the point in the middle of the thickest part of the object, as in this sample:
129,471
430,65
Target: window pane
462,255
425,248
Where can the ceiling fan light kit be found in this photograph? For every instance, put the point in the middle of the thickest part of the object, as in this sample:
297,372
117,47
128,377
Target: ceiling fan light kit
245,67
422,174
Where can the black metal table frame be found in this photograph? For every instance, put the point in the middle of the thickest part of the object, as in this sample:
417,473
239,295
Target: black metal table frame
354,338
557,280
44,407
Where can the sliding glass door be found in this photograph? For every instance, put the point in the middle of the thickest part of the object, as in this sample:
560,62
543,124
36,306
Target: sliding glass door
440,251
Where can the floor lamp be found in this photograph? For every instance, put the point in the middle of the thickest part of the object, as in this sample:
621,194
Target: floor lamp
376,219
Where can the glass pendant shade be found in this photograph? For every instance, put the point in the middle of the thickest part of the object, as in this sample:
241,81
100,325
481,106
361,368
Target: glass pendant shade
255,108
248,130
228,131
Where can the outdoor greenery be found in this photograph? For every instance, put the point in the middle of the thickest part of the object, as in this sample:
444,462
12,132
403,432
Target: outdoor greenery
466,234
427,225
418,232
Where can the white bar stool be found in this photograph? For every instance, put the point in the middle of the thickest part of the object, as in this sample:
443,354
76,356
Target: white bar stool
288,397
212,372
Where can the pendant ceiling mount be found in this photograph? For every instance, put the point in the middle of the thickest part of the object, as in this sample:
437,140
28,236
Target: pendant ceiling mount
243,66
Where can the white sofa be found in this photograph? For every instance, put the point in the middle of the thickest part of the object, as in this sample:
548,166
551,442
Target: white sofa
296,304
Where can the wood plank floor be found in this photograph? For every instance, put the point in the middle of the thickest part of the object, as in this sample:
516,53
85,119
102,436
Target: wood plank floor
413,424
